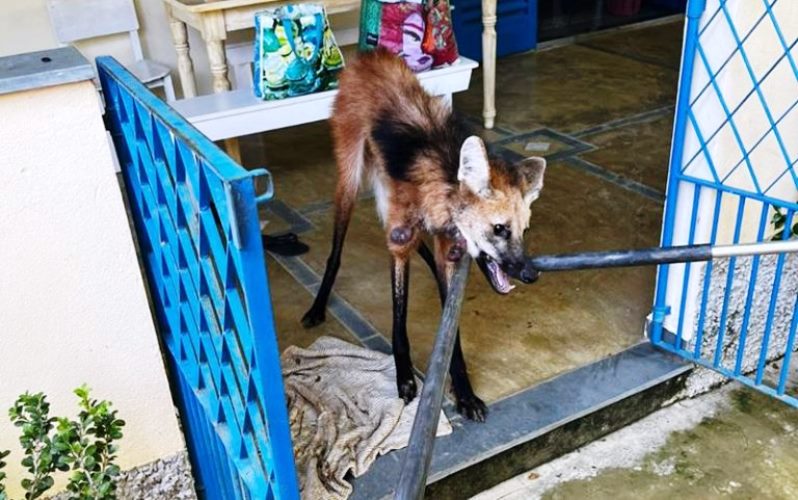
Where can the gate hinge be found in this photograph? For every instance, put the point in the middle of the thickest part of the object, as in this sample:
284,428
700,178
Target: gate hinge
659,313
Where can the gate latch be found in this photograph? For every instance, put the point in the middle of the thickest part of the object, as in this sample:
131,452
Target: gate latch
269,193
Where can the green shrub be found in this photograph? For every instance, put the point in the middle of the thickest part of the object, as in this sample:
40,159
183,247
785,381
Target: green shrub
85,447
778,221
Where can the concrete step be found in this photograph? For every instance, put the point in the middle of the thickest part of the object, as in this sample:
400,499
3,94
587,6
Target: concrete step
539,424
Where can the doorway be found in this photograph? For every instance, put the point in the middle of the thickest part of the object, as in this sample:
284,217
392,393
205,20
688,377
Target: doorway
565,18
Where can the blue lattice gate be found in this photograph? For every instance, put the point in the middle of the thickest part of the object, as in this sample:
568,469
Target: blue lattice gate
199,237
733,180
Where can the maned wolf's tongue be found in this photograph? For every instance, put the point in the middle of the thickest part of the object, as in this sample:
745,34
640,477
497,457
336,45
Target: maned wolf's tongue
499,279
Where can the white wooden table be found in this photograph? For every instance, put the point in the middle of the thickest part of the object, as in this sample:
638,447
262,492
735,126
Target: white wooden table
238,112
215,18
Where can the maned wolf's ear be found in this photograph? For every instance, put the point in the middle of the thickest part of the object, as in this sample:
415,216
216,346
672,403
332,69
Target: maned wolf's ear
533,169
474,169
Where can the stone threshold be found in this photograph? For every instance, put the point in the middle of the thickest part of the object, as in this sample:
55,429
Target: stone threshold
539,424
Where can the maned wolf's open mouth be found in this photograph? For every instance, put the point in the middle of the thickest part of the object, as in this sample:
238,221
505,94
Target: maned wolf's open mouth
499,280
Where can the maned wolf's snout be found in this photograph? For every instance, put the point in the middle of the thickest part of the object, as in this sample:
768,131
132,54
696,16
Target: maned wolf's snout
520,271
500,274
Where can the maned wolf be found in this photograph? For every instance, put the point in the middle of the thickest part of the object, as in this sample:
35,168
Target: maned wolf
429,177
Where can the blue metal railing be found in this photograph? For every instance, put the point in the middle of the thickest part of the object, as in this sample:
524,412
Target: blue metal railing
198,233
732,315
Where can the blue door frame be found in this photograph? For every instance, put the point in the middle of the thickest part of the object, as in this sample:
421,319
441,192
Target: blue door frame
516,26
734,316
196,219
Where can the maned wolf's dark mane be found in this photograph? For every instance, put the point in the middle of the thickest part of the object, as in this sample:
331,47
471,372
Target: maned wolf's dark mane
402,142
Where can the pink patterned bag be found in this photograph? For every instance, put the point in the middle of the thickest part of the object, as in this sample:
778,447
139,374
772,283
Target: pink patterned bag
402,31
419,31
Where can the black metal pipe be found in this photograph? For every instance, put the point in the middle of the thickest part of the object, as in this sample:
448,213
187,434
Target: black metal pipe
620,258
413,477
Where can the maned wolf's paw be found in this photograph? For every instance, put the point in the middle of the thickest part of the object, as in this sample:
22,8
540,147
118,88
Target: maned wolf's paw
472,408
407,389
313,318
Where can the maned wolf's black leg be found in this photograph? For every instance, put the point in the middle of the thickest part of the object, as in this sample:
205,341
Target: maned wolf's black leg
429,259
344,204
468,404
405,380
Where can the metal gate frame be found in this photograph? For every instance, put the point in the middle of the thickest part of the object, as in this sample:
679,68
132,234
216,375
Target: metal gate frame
687,188
196,220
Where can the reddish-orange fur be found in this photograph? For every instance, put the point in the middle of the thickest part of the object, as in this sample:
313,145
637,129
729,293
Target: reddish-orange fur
369,86
425,196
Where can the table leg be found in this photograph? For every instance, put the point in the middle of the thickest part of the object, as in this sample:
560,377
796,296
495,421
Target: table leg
233,149
214,35
218,61
185,67
446,99
489,61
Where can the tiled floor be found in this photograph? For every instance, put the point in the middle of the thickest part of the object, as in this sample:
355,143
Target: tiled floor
601,111
572,88
660,44
285,291
627,151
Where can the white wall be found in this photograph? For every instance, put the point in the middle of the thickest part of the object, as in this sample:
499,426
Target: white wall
72,303
25,27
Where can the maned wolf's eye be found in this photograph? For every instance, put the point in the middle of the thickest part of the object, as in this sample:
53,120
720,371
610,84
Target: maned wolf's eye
501,231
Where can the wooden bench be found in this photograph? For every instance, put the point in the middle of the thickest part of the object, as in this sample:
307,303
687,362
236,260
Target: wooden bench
238,112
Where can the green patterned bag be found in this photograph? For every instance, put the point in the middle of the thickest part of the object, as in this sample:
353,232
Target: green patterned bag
295,52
